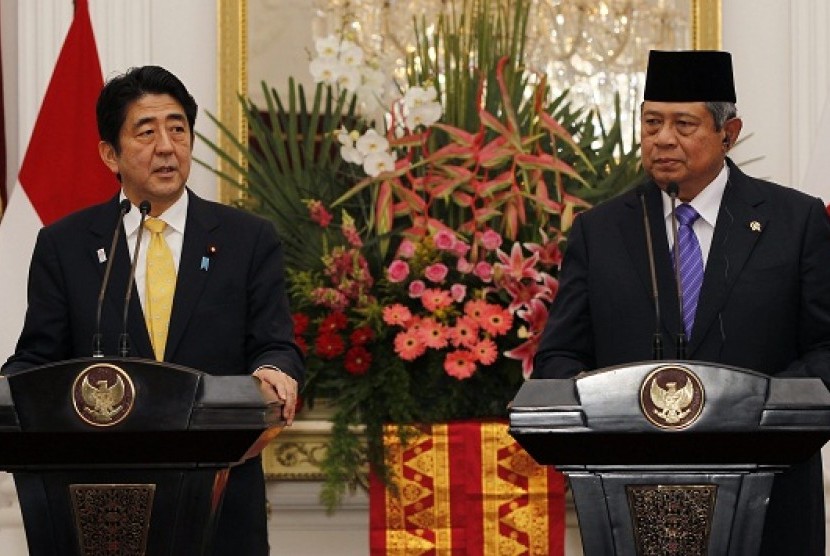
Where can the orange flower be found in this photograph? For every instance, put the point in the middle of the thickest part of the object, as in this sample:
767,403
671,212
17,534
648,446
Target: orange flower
464,333
460,364
408,345
435,299
486,351
497,321
433,334
396,315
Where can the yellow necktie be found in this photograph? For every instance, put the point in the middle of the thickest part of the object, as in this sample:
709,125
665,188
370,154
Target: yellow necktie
160,286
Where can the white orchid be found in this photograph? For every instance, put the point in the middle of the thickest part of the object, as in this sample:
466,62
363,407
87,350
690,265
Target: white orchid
348,77
419,96
424,115
348,151
351,154
351,54
378,162
371,142
325,70
327,47
346,137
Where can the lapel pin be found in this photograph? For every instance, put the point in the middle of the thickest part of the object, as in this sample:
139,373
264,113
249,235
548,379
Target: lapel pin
211,251
102,255
755,226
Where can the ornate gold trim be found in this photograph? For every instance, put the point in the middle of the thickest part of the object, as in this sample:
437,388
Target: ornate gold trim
232,75
707,25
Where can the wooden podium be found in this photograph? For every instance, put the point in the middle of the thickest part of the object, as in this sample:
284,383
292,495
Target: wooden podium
127,456
671,457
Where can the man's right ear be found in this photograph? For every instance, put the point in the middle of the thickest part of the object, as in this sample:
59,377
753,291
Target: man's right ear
108,156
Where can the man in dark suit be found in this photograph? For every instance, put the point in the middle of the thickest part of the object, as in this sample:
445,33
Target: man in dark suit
230,310
764,303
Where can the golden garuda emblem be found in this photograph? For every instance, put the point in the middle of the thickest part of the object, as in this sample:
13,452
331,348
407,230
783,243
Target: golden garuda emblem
671,397
103,395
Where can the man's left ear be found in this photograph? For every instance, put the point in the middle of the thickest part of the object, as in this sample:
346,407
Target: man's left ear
731,131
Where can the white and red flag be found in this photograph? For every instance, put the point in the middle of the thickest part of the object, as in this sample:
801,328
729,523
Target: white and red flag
61,171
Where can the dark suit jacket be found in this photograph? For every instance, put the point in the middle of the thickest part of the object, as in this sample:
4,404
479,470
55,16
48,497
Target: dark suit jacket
226,320
764,305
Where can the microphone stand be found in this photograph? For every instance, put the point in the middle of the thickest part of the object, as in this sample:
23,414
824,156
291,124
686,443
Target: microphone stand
124,340
672,189
97,338
657,339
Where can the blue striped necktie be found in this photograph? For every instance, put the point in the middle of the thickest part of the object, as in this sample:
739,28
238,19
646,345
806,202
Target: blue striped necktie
691,263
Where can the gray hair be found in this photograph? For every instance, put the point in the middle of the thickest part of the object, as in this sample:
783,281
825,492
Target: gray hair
721,112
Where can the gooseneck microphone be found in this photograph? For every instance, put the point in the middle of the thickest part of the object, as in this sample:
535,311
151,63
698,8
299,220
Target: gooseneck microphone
124,341
657,339
97,337
672,189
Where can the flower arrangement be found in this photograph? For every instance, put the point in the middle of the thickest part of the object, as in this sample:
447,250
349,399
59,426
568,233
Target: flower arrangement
422,246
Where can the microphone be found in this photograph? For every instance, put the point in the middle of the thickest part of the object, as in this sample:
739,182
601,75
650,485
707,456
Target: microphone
673,190
124,341
97,337
657,339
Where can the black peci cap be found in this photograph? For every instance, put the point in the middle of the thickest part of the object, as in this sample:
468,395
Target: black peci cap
689,76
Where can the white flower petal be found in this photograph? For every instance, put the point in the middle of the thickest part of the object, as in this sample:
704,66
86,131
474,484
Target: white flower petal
371,142
378,162
327,47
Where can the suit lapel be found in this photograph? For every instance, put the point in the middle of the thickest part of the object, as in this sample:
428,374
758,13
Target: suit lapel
192,276
739,226
101,230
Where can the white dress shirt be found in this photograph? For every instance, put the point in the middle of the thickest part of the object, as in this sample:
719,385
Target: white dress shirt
707,205
175,217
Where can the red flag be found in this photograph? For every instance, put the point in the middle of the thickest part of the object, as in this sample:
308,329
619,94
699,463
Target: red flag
62,171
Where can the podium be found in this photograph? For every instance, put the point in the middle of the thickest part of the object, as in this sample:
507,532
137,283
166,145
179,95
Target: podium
671,457
127,456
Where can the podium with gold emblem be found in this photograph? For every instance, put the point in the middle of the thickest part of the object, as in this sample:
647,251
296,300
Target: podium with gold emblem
671,457
127,456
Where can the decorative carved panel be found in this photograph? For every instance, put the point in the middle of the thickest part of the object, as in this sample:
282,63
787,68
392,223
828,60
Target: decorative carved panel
671,520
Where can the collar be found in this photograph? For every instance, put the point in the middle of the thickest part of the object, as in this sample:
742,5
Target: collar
175,216
707,202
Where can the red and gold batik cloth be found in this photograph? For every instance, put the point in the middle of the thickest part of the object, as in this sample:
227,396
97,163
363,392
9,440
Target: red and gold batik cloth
465,488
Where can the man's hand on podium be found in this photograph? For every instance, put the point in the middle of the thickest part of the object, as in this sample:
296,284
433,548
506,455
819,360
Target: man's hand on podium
283,386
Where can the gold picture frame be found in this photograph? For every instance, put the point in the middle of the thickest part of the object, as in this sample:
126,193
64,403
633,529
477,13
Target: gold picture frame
232,28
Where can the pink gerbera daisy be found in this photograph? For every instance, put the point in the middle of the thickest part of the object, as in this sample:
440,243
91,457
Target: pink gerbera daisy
408,345
460,364
433,334
396,315
435,299
486,351
464,333
497,321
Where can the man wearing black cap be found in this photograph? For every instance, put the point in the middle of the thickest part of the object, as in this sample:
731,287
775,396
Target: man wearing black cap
754,268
